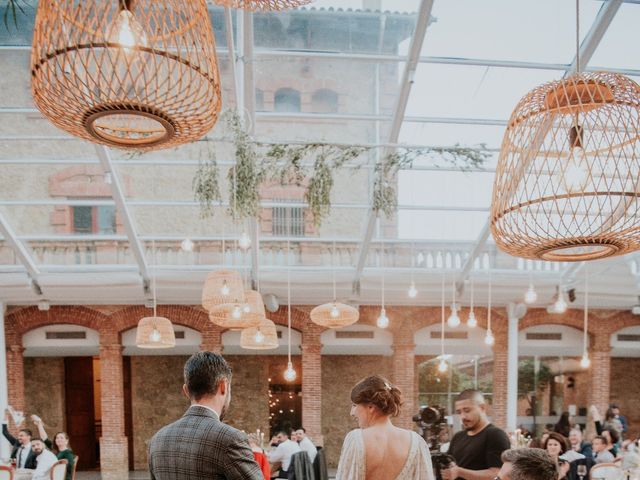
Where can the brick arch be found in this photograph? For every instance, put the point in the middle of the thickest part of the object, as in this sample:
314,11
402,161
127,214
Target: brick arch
429,316
30,318
621,320
572,318
298,318
128,317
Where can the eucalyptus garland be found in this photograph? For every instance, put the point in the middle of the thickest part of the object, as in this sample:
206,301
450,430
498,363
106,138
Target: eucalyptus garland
11,10
206,188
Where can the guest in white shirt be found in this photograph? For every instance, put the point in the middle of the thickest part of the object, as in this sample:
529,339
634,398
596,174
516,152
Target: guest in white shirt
282,454
600,452
300,435
45,460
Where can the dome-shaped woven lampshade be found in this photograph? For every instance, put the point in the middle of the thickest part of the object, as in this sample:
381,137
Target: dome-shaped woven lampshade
155,332
567,182
222,287
262,337
334,315
263,5
235,316
129,73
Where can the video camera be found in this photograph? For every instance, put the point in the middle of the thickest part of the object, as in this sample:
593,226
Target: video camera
432,422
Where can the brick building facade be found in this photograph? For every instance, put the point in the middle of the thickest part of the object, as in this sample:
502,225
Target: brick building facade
325,379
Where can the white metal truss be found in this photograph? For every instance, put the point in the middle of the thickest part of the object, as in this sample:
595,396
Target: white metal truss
587,48
21,252
127,220
424,17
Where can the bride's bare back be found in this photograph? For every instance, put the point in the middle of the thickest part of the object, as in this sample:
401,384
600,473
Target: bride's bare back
386,451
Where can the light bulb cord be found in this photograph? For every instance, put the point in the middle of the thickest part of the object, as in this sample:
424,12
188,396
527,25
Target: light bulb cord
288,305
381,261
333,269
489,305
471,286
577,36
585,338
442,319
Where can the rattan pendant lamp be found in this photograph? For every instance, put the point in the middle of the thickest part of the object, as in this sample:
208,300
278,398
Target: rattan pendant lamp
137,74
263,5
567,182
223,289
334,314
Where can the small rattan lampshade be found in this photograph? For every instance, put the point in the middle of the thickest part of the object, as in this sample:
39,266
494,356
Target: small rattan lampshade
334,315
263,5
155,332
269,336
223,315
222,287
567,182
137,74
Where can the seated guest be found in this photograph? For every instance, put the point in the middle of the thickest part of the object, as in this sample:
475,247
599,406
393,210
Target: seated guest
600,452
281,455
579,445
527,464
22,452
45,459
60,445
606,430
305,443
260,456
556,445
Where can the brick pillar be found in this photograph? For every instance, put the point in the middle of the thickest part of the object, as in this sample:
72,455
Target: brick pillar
312,382
600,372
211,338
404,374
498,411
114,458
15,375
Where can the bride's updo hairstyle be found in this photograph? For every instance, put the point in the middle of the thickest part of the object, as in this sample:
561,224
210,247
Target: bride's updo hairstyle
377,391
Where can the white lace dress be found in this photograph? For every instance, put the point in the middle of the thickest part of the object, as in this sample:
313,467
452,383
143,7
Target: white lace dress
352,459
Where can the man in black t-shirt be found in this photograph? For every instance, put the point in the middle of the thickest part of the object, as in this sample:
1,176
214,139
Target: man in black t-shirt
477,448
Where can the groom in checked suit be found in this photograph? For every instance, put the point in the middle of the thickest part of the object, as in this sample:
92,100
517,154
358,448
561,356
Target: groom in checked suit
199,445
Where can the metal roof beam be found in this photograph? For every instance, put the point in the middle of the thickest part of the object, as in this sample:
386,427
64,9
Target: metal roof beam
588,47
117,192
417,40
22,252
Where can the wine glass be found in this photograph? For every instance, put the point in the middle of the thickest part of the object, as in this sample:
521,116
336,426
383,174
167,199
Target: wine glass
582,471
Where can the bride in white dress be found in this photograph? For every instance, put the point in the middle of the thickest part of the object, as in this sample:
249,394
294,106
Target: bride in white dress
378,450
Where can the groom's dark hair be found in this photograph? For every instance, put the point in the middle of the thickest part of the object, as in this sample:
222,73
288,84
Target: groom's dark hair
203,373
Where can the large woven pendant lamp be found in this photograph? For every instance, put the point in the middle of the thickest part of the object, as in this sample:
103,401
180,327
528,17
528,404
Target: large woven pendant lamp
334,314
137,74
568,178
263,5
237,316
262,337
222,288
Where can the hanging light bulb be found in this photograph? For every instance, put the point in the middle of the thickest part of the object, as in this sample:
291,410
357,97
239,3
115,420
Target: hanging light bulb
259,336
334,313
454,320
413,291
560,305
489,339
236,312
442,366
244,242
224,289
575,174
383,320
472,321
187,245
289,373
246,308
127,31
155,335
585,361
530,295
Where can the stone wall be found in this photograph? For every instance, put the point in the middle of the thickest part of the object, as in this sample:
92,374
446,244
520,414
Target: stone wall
44,393
625,391
157,399
339,374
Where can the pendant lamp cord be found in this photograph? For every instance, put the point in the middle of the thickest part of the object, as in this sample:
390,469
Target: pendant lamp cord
586,309
442,319
288,302
333,269
577,36
489,305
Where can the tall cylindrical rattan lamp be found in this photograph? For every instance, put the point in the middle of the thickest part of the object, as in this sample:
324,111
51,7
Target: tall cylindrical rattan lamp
137,74
567,185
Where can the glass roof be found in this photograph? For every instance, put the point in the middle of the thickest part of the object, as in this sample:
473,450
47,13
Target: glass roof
330,72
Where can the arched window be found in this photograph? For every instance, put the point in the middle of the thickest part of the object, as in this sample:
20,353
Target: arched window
324,101
287,100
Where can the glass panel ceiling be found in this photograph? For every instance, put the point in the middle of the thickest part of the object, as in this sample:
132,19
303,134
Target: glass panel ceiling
613,51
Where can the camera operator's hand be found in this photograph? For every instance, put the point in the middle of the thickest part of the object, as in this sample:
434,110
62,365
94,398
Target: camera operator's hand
450,473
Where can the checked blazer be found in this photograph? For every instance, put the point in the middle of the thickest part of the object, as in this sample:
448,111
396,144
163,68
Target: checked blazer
199,446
